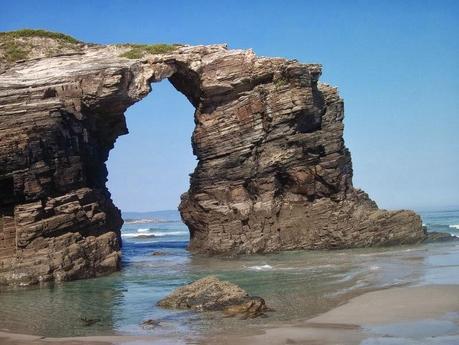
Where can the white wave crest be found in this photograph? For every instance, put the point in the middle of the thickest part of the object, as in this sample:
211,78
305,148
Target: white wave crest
169,233
260,267
143,230
454,226
137,235
151,234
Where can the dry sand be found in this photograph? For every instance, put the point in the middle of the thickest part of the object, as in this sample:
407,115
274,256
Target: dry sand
406,315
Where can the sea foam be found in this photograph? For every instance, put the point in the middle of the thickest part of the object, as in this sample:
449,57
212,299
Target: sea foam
454,226
260,267
137,235
145,234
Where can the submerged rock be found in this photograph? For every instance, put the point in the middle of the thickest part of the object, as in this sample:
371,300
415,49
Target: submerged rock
89,322
150,323
436,236
158,254
213,294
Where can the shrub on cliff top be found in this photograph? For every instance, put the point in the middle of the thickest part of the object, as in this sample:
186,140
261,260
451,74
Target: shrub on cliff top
139,50
37,33
14,45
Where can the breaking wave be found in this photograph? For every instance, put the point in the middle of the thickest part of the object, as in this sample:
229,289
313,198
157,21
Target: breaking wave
138,235
144,233
260,267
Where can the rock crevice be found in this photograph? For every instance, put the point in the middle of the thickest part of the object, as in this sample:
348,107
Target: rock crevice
273,172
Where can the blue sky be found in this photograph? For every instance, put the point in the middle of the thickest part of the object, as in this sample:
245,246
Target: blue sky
395,63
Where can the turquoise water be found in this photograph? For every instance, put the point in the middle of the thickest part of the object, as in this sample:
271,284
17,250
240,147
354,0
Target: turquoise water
297,284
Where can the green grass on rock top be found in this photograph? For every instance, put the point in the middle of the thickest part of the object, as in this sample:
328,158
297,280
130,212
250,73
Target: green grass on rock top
139,50
37,33
17,45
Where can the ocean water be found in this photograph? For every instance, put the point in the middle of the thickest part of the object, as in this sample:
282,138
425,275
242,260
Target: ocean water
444,221
296,284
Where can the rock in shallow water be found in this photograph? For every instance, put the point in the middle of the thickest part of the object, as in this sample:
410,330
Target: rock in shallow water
158,254
436,236
150,324
89,322
213,294
251,307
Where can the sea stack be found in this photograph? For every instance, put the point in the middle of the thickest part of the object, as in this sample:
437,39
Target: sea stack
273,172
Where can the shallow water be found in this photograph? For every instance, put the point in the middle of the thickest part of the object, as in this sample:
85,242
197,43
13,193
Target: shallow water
297,284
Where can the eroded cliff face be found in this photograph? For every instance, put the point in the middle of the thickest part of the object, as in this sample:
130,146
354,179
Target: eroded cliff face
273,171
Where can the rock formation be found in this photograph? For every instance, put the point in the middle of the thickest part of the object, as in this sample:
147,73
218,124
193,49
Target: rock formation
273,172
212,294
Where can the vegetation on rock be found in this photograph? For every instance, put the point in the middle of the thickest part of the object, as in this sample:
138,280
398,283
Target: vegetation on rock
12,51
139,50
20,45
23,44
37,33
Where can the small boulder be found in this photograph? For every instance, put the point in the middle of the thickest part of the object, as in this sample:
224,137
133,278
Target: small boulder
213,294
251,308
158,254
150,323
89,322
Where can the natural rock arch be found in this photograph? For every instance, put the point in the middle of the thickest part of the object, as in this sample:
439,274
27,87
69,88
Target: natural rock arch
273,172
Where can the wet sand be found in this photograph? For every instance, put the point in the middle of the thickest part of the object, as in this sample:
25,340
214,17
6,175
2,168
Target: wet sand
395,304
406,315
412,315
22,339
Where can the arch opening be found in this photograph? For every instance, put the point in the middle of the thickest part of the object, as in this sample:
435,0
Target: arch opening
149,168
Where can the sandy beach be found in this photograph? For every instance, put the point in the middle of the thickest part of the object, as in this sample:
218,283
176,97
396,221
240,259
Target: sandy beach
405,315
401,315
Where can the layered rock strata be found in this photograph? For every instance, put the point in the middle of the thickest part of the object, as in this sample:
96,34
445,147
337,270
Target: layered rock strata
273,172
